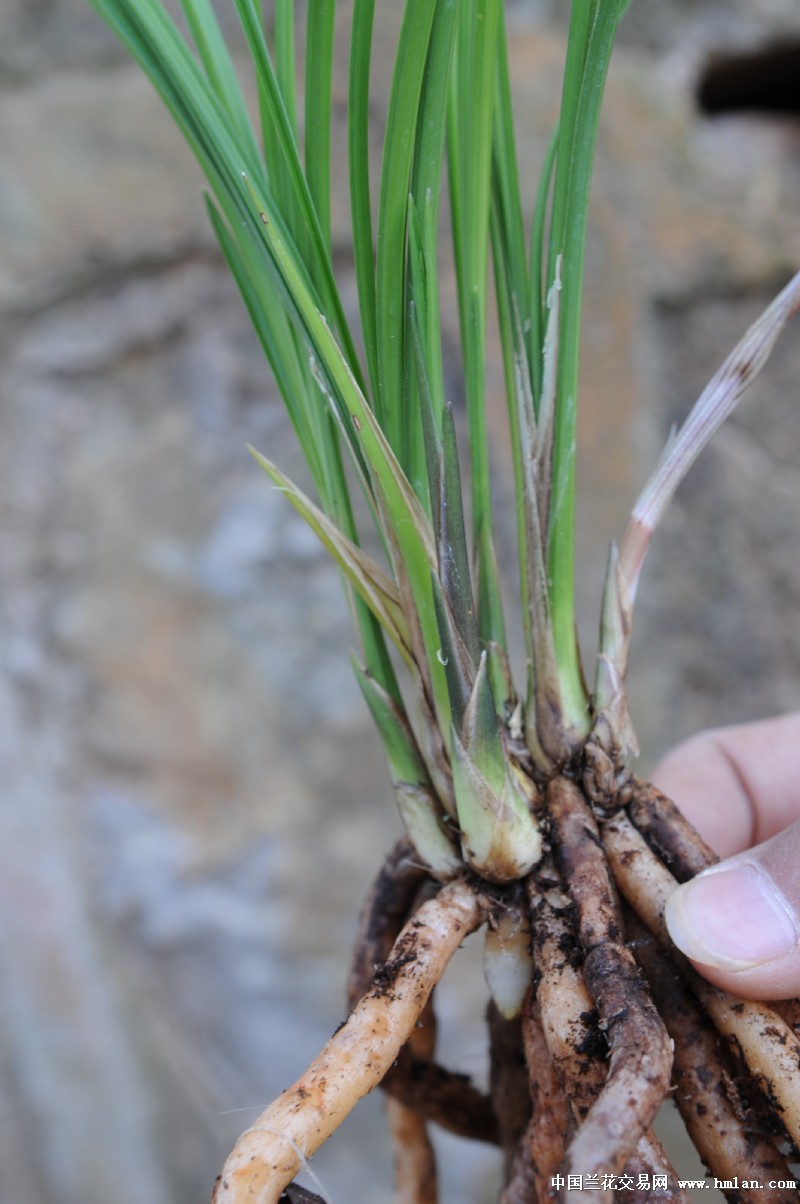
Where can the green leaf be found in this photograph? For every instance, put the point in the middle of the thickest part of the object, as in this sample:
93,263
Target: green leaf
398,158
537,282
470,123
373,585
506,212
285,66
452,655
500,836
274,331
214,55
319,78
423,230
358,160
593,27
479,731
454,569
416,799
298,207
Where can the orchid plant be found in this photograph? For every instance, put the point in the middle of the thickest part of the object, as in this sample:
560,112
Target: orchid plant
473,746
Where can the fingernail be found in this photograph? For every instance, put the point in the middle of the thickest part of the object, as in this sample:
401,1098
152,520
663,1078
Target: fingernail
732,918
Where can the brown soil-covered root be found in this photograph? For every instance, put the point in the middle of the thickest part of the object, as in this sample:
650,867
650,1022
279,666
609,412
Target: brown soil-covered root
575,1044
789,1010
269,1154
541,1147
388,905
414,1160
640,1053
415,1080
577,1080
672,838
508,1079
649,1165
754,1031
413,1155
442,1096
577,1047
725,1126
391,899
668,832
522,1186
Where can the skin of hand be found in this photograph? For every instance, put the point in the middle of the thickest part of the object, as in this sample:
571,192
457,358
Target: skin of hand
739,922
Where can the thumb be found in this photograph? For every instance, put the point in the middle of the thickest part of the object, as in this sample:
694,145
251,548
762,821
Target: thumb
739,921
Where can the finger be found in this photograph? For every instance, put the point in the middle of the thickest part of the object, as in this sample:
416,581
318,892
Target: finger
738,785
739,922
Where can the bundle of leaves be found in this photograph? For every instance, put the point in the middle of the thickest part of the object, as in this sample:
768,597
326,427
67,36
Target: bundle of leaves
521,811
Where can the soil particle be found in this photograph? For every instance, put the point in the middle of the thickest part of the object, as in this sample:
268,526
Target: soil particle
593,1044
569,947
294,1194
406,952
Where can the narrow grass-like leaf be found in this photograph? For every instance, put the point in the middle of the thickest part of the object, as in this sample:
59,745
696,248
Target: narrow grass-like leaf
453,557
216,60
477,176
398,158
538,259
404,522
432,123
304,221
417,597
275,334
412,452
300,296
459,670
285,59
439,446
545,426
470,123
518,423
358,159
424,214
416,798
319,79
373,585
489,602
156,43
433,325
531,449
428,420
507,209
593,28
277,104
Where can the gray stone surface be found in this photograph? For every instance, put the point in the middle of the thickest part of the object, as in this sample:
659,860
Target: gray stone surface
194,801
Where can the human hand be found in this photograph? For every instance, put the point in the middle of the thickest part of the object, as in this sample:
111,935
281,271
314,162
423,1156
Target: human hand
739,922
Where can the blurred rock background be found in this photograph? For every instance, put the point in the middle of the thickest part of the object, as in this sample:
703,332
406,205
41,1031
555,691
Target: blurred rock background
193,802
